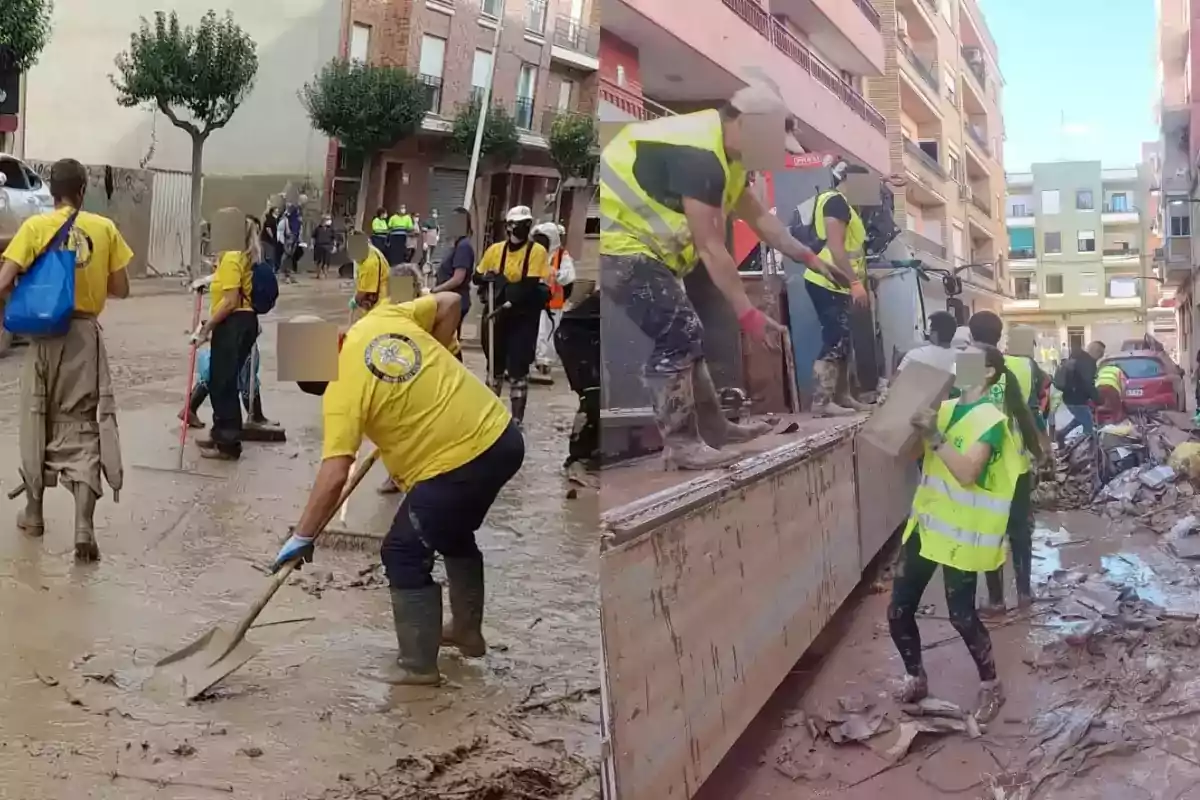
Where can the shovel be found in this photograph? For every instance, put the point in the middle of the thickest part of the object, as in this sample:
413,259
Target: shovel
217,653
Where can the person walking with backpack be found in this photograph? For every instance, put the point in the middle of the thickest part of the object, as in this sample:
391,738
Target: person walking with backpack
68,423
233,328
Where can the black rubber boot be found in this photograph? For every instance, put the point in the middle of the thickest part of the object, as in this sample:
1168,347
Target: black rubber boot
464,578
417,615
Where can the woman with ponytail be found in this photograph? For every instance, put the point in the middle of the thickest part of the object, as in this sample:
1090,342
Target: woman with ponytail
959,517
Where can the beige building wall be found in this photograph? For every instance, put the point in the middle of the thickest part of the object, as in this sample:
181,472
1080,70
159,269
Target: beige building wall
71,107
941,81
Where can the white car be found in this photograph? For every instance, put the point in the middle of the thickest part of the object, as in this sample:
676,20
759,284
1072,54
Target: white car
22,194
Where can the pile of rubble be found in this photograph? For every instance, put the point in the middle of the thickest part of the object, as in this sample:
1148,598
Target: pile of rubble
1146,464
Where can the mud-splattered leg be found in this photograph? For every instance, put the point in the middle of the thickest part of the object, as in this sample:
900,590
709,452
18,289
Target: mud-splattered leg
960,599
913,573
1020,536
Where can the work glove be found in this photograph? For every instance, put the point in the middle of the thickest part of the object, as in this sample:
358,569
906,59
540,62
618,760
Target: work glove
760,328
858,294
295,548
925,421
199,336
200,284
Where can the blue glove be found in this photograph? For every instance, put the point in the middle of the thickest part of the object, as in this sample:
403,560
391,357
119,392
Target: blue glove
296,547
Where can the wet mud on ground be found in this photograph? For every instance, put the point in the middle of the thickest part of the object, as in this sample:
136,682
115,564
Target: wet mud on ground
85,714
1101,678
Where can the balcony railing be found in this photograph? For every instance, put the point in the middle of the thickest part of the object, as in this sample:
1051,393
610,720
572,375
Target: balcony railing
1109,208
975,64
927,245
1122,251
980,201
433,93
928,161
979,138
571,34
924,69
1021,253
870,12
984,271
1179,250
535,17
490,7
642,108
523,113
786,42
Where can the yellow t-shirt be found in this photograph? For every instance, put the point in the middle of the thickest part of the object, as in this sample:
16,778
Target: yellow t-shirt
399,387
539,262
100,251
233,271
373,274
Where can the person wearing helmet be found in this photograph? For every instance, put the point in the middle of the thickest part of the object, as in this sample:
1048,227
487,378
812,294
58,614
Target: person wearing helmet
562,279
515,273
446,440
667,189
839,236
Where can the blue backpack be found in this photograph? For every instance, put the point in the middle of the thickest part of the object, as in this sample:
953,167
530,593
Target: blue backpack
264,288
43,300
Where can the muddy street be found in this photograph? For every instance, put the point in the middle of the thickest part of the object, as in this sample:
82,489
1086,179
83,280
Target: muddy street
85,714
1103,699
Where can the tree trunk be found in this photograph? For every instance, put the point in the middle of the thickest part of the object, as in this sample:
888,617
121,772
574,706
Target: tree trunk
197,191
360,215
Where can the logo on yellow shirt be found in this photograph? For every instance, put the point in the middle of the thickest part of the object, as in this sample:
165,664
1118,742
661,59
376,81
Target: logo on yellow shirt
81,243
393,358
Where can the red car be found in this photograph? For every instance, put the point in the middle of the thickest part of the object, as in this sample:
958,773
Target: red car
1152,380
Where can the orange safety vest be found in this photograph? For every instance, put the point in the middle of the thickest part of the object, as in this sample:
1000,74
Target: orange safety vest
557,298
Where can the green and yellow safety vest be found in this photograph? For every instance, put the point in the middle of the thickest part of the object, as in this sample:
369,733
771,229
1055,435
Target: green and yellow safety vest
379,225
1022,369
1111,376
856,240
399,222
631,221
964,526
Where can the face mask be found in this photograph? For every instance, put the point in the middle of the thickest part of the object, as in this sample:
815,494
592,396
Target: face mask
518,232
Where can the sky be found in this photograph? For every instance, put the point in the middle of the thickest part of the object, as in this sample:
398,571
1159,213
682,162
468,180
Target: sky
1088,62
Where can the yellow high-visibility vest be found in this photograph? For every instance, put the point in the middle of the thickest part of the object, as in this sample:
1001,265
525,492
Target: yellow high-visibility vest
631,221
1022,370
1111,375
379,225
964,526
856,240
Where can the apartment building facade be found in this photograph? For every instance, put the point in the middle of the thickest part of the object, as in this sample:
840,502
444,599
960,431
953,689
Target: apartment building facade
546,65
656,61
1077,256
941,92
1175,164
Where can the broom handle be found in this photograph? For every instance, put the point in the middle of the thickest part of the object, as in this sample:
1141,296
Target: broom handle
191,382
286,571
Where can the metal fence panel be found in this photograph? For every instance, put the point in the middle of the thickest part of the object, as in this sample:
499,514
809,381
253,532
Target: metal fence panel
170,215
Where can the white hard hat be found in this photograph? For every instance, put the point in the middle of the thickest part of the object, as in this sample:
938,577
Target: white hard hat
519,214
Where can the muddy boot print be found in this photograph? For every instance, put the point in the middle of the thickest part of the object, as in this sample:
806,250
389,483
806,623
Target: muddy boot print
86,550
30,519
464,579
991,699
417,615
824,388
843,395
675,413
716,430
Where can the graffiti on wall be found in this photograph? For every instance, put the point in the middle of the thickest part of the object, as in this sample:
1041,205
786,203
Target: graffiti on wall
124,196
